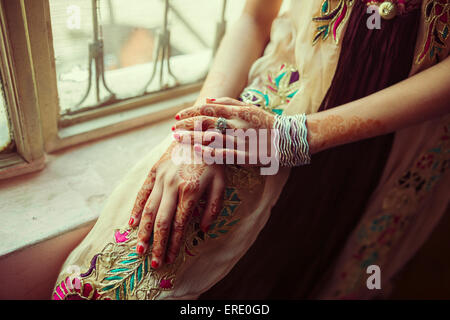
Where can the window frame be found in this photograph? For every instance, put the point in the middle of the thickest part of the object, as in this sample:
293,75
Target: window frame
20,94
38,128
39,23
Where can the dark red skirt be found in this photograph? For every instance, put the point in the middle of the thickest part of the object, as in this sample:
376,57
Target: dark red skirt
322,203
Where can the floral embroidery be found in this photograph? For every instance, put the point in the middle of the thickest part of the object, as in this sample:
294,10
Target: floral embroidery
224,222
378,235
278,89
437,15
332,19
118,272
121,237
71,289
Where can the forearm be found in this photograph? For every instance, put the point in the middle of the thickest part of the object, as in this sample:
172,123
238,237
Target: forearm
416,99
242,44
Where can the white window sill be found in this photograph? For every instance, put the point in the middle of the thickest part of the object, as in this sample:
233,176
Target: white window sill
71,190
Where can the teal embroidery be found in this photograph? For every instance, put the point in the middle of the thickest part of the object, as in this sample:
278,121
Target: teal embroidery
277,91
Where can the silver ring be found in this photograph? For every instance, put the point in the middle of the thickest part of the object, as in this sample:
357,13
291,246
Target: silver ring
221,124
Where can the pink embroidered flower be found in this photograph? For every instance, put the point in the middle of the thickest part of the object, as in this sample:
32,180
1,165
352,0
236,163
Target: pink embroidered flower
121,237
425,161
166,284
67,290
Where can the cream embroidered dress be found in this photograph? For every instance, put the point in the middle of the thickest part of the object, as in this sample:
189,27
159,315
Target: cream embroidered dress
298,66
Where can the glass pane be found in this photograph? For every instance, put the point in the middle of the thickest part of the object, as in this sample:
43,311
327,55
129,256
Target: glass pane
5,132
130,33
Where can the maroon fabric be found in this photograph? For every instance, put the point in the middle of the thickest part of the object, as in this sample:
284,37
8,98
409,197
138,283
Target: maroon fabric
372,60
322,203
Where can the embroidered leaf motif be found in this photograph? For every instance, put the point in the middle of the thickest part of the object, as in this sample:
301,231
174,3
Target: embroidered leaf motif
445,32
118,270
139,273
107,288
146,266
232,223
331,20
325,7
128,261
125,280
113,278
132,282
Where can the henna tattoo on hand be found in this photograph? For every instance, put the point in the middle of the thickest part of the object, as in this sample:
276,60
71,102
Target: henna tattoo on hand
256,117
147,187
336,130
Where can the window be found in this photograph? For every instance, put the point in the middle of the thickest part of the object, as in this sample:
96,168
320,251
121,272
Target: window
19,98
5,131
124,37
80,70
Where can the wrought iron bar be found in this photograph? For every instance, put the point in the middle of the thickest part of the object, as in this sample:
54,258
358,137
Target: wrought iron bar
162,53
96,55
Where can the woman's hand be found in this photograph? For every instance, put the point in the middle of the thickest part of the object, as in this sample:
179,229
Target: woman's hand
239,115
166,202
246,144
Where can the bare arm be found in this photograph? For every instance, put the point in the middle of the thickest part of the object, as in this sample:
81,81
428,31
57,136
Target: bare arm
240,47
421,97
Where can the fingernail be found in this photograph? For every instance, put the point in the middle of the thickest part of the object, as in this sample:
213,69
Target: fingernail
176,136
177,117
197,148
173,128
131,221
140,249
210,100
155,264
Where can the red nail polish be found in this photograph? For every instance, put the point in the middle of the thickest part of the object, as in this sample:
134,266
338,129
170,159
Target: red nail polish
173,128
212,100
177,117
155,264
131,221
140,249
198,148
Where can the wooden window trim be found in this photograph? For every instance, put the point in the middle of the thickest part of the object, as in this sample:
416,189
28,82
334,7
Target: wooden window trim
20,94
